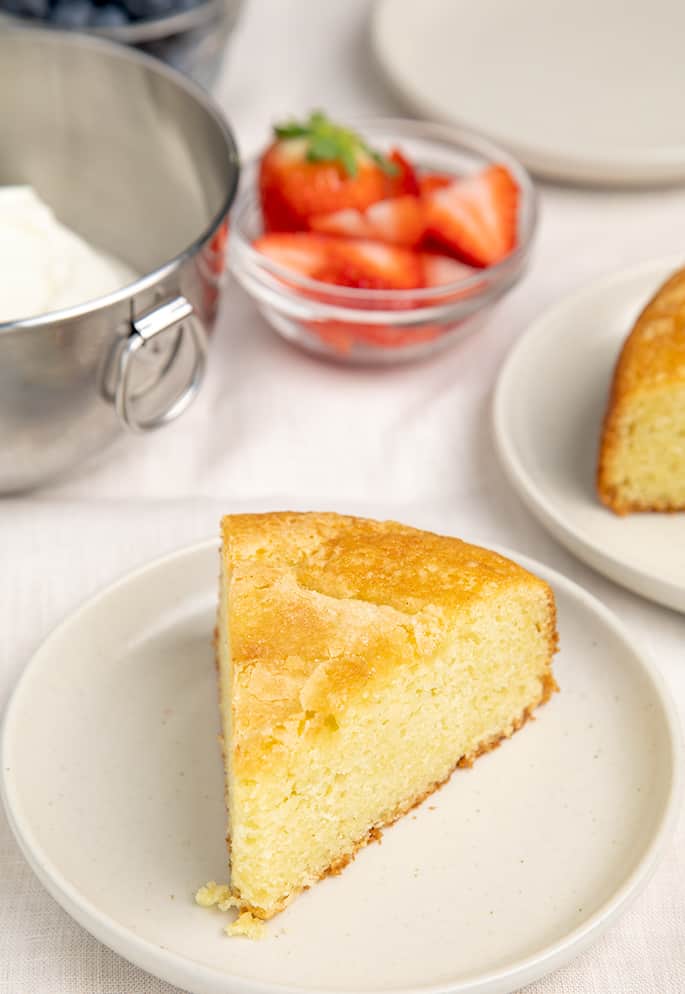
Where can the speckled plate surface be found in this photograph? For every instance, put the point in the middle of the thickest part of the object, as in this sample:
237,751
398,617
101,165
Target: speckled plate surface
113,785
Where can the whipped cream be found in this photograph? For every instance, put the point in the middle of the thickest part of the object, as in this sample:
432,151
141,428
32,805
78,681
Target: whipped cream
45,266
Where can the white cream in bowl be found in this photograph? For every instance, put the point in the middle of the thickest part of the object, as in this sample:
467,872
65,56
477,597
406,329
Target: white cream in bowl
45,266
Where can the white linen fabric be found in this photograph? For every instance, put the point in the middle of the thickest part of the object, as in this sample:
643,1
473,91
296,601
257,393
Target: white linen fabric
276,428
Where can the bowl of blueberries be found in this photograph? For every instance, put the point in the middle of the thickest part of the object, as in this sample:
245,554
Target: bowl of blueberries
189,35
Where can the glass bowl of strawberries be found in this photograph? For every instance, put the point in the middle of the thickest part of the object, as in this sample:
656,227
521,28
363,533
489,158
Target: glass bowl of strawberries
382,241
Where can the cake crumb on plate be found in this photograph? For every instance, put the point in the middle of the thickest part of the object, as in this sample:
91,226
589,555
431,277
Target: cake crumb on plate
248,926
213,895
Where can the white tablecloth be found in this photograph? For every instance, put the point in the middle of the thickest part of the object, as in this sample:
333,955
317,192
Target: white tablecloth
274,427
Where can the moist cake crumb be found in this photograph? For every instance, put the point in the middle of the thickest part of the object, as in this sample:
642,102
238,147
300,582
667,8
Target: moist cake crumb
214,895
248,926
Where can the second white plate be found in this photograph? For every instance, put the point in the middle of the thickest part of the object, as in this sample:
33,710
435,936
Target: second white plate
585,91
549,405
113,785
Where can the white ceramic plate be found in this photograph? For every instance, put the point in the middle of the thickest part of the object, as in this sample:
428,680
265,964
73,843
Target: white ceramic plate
549,405
586,91
113,786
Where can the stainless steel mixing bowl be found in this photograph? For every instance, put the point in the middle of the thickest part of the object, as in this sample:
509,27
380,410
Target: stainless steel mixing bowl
139,162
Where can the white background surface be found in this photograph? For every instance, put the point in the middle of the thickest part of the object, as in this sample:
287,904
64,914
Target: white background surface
275,425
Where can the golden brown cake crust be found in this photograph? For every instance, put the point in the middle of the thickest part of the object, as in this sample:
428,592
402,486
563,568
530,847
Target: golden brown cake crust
652,358
360,596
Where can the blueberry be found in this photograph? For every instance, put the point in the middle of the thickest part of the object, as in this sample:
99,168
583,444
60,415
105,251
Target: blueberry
150,9
111,15
71,13
26,8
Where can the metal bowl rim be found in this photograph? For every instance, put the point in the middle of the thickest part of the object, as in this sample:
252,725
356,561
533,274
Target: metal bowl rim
151,29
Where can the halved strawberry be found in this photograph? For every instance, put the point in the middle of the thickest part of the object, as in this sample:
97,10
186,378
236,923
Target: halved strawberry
317,167
399,221
475,217
352,262
434,181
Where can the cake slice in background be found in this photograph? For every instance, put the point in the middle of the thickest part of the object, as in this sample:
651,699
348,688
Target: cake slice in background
359,663
642,450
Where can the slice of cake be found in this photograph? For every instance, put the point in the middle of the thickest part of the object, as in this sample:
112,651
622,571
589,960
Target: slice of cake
642,452
359,663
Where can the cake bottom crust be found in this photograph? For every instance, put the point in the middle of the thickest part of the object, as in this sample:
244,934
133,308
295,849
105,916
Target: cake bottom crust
549,686
621,507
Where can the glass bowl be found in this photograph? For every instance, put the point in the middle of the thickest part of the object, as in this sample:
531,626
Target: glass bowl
384,326
192,40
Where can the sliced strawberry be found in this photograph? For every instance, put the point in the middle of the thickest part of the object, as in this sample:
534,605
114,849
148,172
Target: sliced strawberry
475,218
352,262
433,181
350,223
438,270
372,265
405,180
399,221
342,336
444,271
218,242
297,250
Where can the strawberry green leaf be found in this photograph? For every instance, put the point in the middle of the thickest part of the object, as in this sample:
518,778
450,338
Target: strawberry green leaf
291,130
323,148
329,142
388,167
349,160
